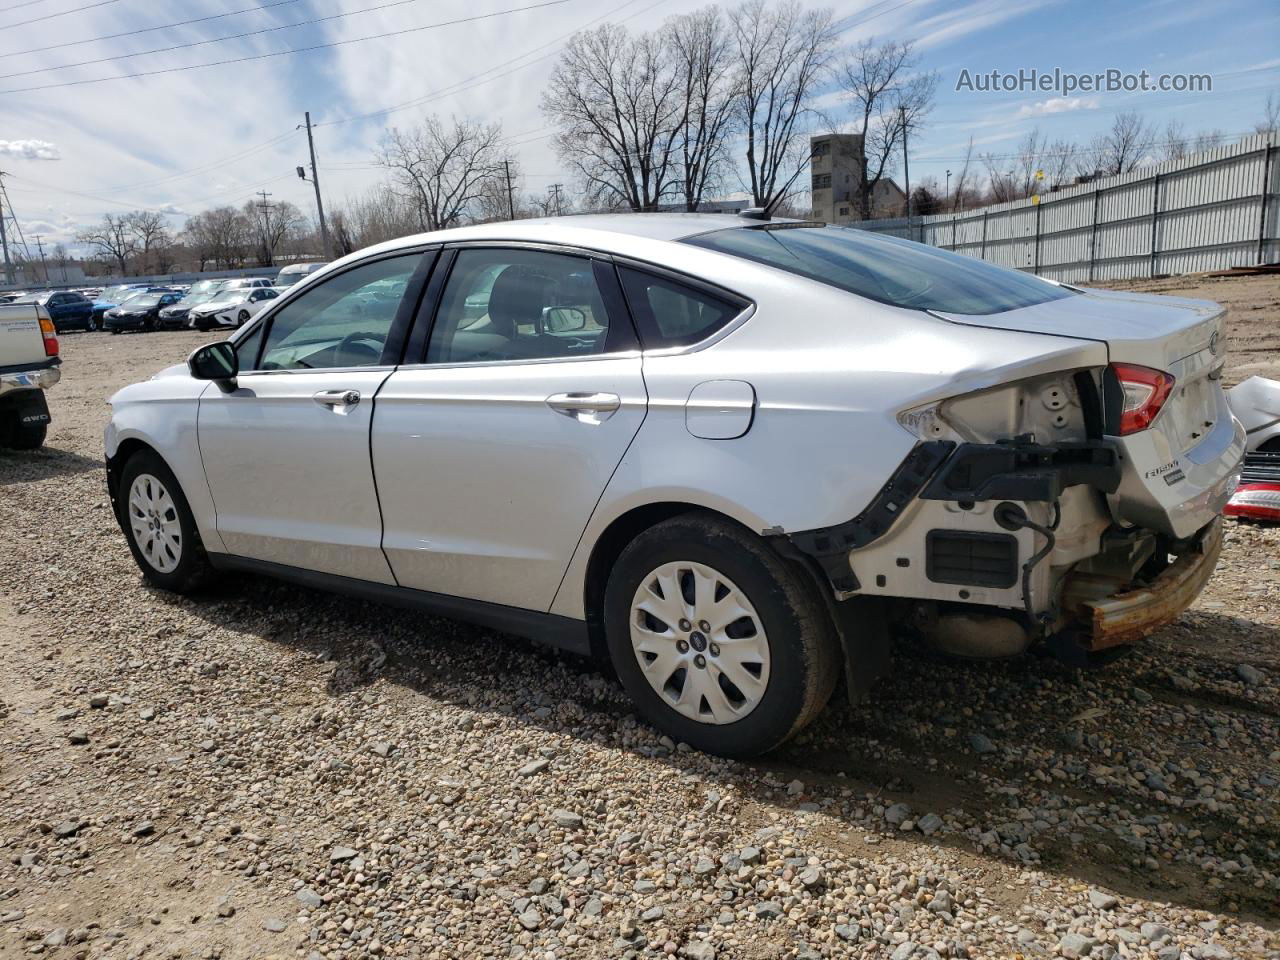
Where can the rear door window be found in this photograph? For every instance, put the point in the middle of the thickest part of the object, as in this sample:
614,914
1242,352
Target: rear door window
886,269
669,313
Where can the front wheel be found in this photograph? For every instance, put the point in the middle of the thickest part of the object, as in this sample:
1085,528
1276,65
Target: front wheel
159,526
722,643
243,318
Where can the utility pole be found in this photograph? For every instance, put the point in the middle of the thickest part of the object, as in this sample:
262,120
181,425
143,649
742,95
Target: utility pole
511,197
555,192
4,240
44,267
265,206
948,193
315,182
906,168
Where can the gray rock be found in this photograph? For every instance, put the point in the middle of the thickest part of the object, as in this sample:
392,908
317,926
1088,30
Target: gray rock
929,824
532,767
538,886
77,738
942,902
1210,951
99,700
144,829
1076,945
309,898
1249,674
769,910
13,916
380,748
1101,900
272,925
980,743
645,886
847,932
566,819
749,854
1140,695
593,907
653,913
531,919
897,813
225,908
811,877
704,866
904,951
338,854
1151,932
55,938
67,828
699,950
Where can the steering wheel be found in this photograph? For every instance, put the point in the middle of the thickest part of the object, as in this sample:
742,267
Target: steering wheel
354,343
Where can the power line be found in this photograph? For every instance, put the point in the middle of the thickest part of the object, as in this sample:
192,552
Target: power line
60,13
465,83
240,155
163,26
202,43
281,53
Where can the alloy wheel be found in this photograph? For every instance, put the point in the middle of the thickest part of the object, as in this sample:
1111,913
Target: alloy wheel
699,642
153,518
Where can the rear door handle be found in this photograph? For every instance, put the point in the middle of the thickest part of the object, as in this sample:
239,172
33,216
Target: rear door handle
585,407
339,401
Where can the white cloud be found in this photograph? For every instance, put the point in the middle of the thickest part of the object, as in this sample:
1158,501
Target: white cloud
1042,108
30,149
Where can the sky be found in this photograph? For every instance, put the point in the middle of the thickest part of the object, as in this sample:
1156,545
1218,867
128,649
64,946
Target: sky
184,137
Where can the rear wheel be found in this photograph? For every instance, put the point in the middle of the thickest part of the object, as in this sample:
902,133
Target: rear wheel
722,643
159,526
243,318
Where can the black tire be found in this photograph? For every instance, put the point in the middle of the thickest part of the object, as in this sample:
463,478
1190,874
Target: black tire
24,436
192,570
148,324
804,649
242,318
115,329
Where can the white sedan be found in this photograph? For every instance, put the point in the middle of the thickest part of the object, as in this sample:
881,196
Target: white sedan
231,308
730,454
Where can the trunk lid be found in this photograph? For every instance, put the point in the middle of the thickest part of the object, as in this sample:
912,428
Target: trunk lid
1178,472
21,340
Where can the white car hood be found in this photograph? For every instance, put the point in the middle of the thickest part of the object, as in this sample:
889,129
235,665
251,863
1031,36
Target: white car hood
177,370
1136,327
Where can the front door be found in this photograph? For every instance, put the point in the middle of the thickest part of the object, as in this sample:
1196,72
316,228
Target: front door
492,454
287,452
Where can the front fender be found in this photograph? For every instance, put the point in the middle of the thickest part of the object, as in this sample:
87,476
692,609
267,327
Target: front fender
162,414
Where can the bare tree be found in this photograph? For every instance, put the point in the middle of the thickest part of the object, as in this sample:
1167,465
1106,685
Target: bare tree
1208,140
221,236
889,99
1122,147
1270,121
962,179
700,48
272,224
1173,146
616,103
62,259
444,168
783,53
114,240
151,237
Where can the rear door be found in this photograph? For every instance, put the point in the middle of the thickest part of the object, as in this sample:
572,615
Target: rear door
286,453
494,443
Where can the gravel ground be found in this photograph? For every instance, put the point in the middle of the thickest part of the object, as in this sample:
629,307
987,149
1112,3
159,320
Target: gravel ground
270,771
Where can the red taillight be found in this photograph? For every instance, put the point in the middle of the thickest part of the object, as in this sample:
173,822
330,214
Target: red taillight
50,334
1255,501
1144,393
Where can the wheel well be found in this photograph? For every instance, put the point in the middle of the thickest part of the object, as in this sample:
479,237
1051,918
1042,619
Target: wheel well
115,464
1270,446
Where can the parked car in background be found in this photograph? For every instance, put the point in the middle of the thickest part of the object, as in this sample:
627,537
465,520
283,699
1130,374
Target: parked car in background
294,272
139,312
29,365
67,310
111,298
230,308
244,283
11,295
729,452
175,315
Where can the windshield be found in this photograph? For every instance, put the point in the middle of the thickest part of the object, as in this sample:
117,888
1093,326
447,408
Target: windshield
116,294
233,296
144,300
193,298
886,269
205,286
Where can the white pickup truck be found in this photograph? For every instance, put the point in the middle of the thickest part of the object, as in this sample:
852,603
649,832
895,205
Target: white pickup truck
29,364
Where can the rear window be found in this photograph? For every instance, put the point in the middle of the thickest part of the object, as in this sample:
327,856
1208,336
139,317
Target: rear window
886,269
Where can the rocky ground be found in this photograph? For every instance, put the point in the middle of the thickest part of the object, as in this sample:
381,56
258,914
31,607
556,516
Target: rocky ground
265,770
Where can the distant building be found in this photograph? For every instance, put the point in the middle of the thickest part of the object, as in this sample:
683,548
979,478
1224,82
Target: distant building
836,170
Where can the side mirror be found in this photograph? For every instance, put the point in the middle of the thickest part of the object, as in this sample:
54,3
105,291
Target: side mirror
565,319
217,362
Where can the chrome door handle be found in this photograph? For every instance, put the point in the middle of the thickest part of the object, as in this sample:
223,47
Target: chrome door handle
585,407
337,398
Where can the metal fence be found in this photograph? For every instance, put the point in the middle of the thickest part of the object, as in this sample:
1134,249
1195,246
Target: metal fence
1210,211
